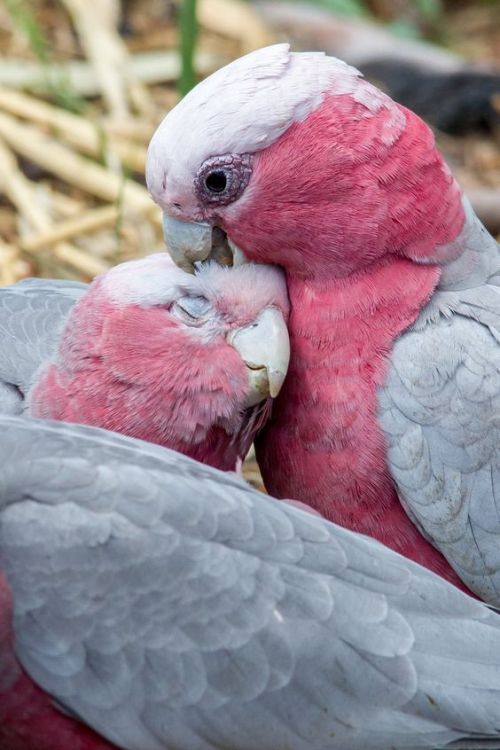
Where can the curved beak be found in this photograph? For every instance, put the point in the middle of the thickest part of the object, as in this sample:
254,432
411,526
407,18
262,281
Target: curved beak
189,242
264,347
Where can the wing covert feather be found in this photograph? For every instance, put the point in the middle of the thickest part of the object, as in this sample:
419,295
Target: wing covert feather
440,411
171,606
32,315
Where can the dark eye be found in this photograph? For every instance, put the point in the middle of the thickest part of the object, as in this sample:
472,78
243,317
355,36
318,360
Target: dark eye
222,179
216,181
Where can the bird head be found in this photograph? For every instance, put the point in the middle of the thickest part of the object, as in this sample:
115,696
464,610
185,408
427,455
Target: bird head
157,353
294,159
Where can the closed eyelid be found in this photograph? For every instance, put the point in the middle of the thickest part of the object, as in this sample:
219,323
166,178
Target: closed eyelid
194,306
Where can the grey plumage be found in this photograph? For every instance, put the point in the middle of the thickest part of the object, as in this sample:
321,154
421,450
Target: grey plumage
32,315
440,411
172,606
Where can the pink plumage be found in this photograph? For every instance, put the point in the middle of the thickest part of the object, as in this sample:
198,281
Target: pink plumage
146,352
135,367
347,187
345,210
349,194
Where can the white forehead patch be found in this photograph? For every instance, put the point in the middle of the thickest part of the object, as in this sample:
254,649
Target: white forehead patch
243,108
153,280
156,280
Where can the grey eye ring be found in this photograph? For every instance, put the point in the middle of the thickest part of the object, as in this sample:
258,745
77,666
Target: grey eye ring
222,179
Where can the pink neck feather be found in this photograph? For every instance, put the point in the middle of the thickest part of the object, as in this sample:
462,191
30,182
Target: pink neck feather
343,201
323,445
344,188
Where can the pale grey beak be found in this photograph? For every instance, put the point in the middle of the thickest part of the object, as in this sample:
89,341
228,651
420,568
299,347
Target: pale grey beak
189,242
264,346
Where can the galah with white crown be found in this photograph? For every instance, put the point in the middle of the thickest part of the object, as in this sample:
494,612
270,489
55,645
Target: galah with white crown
189,362
389,420
166,605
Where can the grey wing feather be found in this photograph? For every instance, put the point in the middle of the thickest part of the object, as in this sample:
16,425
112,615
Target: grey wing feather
172,606
440,411
32,315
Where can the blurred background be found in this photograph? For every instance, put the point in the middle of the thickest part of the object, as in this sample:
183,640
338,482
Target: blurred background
83,84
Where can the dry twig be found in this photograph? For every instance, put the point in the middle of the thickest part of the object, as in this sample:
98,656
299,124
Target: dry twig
108,56
74,169
88,137
90,221
12,268
236,20
80,77
21,192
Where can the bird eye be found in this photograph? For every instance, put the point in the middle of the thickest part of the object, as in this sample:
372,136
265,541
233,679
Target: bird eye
193,307
216,181
220,180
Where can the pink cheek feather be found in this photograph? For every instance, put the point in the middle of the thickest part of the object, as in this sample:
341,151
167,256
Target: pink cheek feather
345,187
136,372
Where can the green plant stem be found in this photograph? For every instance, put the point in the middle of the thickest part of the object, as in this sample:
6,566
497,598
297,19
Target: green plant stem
188,30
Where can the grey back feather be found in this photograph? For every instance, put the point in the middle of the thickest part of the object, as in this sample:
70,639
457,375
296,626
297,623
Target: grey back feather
440,411
170,605
32,316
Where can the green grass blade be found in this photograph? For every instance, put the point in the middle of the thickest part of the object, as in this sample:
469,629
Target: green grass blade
188,30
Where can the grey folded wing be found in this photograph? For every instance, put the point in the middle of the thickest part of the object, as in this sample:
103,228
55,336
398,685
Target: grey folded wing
440,411
170,605
32,315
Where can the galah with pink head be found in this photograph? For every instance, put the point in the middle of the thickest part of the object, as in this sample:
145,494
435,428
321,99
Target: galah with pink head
393,393
187,361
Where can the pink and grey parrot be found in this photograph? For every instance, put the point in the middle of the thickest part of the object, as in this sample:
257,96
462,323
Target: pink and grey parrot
169,606
184,361
150,351
389,419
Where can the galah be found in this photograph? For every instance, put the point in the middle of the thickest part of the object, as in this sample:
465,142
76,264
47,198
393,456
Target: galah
389,419
186,361
170,606
151,351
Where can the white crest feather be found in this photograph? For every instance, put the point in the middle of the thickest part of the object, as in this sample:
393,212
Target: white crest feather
153,280
243,108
